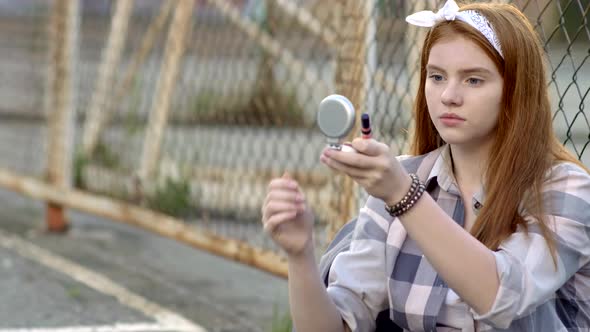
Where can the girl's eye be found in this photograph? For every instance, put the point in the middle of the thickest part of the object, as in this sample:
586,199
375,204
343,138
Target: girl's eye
436,77
474,81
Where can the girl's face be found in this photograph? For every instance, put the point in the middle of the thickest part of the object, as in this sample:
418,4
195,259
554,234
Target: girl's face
463,92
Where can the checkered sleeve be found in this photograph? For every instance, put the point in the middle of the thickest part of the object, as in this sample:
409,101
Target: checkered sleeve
357,279
527,273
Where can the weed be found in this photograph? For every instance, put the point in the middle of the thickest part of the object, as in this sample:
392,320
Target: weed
73,292
104,156
80,162
172,198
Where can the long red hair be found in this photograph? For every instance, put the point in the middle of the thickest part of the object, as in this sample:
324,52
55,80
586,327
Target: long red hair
525,145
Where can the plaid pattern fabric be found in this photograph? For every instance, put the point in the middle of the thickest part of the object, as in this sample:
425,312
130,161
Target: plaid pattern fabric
373,266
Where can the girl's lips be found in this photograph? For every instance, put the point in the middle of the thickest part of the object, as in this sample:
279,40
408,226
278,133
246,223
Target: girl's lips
451,116
451,122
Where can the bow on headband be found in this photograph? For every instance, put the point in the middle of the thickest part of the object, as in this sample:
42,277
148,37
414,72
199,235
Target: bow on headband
450,12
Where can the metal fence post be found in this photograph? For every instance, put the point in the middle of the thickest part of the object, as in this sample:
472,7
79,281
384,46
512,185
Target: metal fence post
111,54
61,102
350,81
148,41
158,117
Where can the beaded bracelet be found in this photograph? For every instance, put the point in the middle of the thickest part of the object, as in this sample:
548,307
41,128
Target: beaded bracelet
416,190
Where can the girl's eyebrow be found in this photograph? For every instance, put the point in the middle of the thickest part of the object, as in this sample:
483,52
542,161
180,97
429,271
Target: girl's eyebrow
474,70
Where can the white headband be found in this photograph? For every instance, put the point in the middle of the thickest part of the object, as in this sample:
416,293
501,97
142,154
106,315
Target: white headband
450,12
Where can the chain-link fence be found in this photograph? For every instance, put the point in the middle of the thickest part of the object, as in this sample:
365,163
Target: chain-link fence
191,107
23,35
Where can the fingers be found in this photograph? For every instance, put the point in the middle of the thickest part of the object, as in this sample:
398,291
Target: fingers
370,155
283,190
274,207
283,195
351,159
334,164
369,147
270,226
284,182
280,195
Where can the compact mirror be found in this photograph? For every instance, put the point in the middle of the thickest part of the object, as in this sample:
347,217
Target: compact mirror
336,117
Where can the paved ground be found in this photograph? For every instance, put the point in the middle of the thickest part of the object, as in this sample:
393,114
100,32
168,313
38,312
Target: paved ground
101,274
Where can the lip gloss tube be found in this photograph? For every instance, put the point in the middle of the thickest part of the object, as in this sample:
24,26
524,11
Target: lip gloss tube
365,126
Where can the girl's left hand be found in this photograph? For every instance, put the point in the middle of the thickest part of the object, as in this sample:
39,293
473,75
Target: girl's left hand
372,167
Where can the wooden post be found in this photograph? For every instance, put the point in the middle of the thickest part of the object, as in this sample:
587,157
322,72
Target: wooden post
109,65
60,102
350,81
158,118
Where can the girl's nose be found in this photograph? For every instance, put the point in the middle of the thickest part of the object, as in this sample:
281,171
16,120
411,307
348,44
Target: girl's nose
451,95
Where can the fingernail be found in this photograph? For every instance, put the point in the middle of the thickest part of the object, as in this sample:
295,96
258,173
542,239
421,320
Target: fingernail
299,198
292,184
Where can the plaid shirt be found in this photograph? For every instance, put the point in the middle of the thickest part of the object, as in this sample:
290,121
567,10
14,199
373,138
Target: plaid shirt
372,266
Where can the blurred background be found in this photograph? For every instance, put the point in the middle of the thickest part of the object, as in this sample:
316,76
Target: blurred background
173,115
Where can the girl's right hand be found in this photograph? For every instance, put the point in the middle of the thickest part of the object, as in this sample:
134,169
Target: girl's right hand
287,218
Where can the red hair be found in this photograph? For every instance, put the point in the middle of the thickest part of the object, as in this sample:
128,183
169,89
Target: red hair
517,163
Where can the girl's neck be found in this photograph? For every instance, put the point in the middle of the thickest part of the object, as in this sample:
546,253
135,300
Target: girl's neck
469,164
